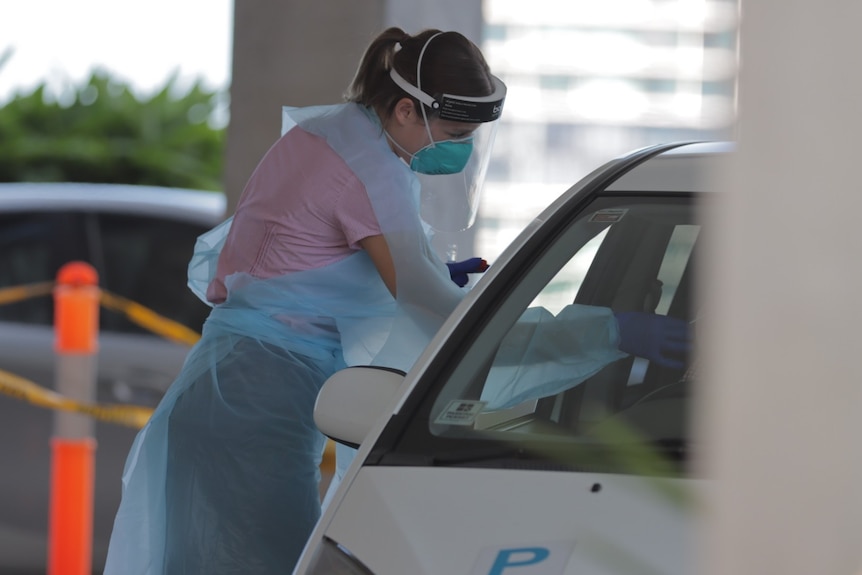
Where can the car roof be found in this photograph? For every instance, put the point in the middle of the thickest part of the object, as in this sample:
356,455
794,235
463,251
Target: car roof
684,168
205,207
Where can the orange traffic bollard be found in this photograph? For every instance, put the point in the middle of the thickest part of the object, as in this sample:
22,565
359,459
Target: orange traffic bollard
76,309
73,448
71,521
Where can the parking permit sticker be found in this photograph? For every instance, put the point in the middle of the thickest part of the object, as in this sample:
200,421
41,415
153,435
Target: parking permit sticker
460,412
543,559
608,216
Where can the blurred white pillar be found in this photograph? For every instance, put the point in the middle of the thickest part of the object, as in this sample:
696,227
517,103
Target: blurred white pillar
783,407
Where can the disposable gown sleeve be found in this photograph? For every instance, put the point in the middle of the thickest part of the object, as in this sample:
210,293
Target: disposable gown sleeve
426,297
425,293
544,354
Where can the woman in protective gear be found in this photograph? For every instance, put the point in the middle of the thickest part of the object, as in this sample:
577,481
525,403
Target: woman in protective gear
325,263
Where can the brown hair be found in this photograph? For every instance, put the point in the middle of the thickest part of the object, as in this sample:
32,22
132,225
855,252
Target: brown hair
451,64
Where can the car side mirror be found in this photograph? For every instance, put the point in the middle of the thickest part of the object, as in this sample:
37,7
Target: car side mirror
352,400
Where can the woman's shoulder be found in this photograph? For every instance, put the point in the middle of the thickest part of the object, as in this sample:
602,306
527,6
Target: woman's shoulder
353,134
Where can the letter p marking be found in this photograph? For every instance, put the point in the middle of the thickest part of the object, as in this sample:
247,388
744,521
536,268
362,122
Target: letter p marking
518,558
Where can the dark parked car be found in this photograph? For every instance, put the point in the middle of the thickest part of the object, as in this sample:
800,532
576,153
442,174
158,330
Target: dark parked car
139,239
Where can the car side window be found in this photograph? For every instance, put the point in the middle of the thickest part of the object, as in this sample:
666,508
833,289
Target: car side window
33,246
563,288
640,261
145,259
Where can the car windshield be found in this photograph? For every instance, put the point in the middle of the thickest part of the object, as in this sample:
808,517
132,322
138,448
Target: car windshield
537,376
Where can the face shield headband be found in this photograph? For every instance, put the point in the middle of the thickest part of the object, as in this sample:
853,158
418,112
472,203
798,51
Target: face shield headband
470,109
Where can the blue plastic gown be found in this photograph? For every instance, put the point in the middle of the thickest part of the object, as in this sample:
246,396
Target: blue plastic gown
224,477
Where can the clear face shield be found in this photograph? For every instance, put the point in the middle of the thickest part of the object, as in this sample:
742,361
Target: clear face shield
452,172
450,202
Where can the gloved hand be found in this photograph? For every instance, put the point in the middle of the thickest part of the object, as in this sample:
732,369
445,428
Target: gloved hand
458,270
659,338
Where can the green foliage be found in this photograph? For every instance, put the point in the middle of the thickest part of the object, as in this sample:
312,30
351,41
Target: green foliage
106,134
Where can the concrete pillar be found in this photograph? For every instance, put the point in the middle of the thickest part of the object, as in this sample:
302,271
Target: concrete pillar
288,52
783,394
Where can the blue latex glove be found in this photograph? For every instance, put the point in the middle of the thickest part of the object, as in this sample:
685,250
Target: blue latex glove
458,270
658,338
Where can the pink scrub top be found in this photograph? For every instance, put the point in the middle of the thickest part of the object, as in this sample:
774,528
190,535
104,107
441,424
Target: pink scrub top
302,208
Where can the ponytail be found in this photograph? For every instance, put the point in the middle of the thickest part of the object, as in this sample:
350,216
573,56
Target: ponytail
372,75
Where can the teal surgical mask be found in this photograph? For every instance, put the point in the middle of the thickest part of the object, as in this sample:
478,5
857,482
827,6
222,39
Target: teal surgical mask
438,158
446,157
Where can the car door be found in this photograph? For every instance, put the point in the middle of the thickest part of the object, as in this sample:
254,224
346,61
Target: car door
33,245
589,441
144,259
141,258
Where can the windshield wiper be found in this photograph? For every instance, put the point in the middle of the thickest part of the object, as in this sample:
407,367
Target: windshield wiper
454,458
494,453
581,456
674,449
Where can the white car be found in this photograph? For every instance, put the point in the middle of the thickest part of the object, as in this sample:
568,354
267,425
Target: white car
139,239
591,475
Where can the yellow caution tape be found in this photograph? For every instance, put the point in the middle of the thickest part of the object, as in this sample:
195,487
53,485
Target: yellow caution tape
140,315
129,415
20,388
20,293
148,319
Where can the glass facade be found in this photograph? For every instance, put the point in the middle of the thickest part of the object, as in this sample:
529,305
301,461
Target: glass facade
589,81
